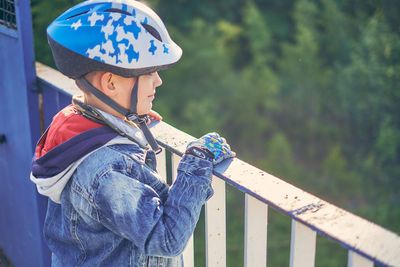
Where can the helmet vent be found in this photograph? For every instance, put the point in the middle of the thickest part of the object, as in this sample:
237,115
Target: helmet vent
73,16
118,11
152,31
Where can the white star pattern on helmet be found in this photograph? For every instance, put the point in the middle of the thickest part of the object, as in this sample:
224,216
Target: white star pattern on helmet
128,20
94,18
121,34
76,25
123,57
108,29
108,47
95,51
115,16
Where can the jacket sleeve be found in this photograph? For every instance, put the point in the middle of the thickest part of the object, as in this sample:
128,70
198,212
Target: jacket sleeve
137,212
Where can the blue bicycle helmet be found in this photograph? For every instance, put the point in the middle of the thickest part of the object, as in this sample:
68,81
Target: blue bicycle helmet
124,37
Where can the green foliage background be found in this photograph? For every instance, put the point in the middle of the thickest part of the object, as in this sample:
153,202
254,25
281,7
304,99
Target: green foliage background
307,90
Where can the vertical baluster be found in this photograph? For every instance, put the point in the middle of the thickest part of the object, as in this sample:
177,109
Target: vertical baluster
256,221
188,253
356,260
175,159
216,225
302,246
161,165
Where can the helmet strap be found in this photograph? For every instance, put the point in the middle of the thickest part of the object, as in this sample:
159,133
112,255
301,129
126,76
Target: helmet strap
130,115
149,136
103,97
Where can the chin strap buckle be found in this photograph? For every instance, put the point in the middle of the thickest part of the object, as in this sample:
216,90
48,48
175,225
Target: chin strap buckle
130,116
141,122
143,119
158,151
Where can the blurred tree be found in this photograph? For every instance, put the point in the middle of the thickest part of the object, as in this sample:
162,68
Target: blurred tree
255,89
280,157
304,79
369,98
182,12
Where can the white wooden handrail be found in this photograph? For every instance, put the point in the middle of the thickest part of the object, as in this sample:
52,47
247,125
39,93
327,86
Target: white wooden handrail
366,242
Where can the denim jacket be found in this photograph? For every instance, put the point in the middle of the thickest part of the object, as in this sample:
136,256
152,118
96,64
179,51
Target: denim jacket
109,207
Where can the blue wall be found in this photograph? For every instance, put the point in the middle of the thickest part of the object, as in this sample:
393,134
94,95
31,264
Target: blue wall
21,209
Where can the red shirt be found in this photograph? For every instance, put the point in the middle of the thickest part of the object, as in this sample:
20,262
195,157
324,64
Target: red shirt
65,125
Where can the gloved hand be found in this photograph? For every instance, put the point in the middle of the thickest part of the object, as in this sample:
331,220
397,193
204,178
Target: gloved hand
213,146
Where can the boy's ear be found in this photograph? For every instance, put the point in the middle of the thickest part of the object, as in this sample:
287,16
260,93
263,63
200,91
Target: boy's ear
107,83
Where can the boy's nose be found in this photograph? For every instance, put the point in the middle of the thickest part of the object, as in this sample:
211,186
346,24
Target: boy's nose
158,80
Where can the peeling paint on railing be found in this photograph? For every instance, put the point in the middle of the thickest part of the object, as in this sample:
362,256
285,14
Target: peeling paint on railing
310,207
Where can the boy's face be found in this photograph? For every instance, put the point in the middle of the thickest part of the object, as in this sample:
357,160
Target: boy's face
146,91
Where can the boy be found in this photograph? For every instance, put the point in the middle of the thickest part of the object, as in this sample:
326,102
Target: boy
96,162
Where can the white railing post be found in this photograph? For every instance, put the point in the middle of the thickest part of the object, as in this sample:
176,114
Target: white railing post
162,165
216,226
256,221
356,260
302,246
188,253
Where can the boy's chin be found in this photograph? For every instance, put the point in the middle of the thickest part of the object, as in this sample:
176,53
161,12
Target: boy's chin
146,112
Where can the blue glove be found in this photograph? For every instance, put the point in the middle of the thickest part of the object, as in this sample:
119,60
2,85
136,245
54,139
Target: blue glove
213,145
